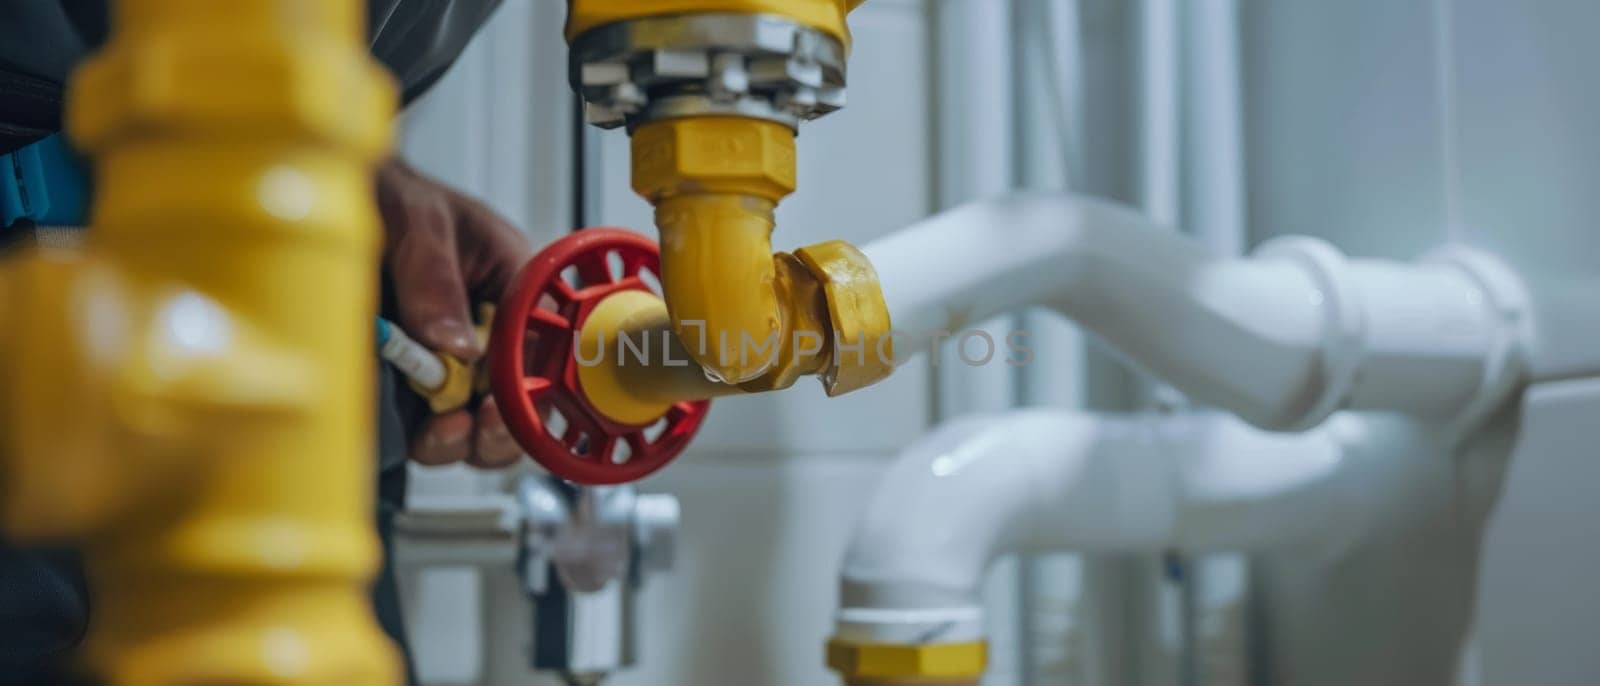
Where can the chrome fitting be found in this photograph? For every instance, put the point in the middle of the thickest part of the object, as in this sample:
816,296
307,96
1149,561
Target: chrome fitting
584,556
751,65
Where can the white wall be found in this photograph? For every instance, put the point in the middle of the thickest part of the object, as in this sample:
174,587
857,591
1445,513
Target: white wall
1527,124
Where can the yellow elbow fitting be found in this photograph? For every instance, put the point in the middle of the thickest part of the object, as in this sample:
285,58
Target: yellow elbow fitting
717,276
714,158
815,288
899,664
715,182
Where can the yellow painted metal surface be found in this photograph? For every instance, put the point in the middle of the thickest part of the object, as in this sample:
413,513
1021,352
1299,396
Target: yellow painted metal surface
713,155
863,347
804,344
714,182
900,664
827,16
456,390
636,380
191,396
911,681
461,380
717,275
624,369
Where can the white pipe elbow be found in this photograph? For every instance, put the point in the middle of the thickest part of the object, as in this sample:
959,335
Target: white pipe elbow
981,487
1282,339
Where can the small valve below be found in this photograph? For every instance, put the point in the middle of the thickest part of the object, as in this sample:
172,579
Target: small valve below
533,366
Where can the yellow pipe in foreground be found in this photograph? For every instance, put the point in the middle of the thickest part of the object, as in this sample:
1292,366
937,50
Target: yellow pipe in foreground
191,396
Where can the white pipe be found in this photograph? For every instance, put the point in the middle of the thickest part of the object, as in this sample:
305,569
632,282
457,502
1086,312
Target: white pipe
1218,584
1159,159
1062,480
974,99
1282,339
975,132
1213,137
974,136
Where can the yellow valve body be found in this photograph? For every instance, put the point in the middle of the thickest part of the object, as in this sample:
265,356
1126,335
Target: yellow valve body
715,155
824,15
896,664
634,381
715,182
191,397
828,290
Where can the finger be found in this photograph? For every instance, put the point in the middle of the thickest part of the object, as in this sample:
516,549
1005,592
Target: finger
492,250
430,295
443,439
493,446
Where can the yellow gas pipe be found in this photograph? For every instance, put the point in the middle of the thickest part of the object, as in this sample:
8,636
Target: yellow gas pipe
715,180
190,397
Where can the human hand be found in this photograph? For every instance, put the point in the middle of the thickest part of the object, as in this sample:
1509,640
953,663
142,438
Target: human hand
443,253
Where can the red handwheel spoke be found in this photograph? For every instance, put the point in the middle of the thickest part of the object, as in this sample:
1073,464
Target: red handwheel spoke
603,450
545,319
533,369
535,386
633,263
631,283
592,268
571,435
562,292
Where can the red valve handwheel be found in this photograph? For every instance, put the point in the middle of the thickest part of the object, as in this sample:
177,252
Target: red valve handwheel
534,373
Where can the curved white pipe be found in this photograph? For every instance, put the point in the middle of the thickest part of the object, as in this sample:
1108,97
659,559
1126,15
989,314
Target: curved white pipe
1062,480
1282,339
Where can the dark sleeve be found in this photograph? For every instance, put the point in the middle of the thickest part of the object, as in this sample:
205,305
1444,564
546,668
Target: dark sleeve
44,612
418,40
41,41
